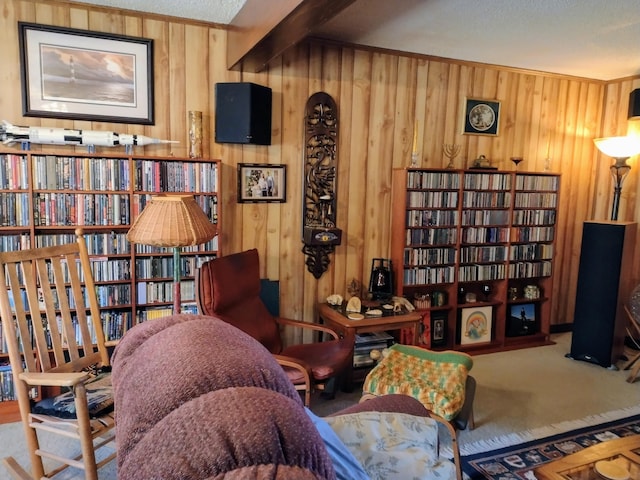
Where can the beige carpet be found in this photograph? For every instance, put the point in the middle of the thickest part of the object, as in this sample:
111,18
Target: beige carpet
523,392
533,393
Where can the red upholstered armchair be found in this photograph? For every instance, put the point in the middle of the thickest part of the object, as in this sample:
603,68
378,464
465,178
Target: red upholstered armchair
229,288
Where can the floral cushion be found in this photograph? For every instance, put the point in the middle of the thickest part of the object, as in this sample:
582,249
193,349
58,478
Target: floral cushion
436,379
393,446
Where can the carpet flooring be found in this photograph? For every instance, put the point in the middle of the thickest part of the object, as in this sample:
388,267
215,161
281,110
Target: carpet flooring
518,461
523,391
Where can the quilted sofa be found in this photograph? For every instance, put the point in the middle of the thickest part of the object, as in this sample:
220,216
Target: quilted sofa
197,398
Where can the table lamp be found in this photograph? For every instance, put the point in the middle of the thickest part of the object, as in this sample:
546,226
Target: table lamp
620,148
172,221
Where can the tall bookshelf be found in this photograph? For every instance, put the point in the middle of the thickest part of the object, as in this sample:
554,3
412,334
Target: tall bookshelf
474,251
44,197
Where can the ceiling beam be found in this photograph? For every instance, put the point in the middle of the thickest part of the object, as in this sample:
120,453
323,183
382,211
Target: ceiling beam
263,30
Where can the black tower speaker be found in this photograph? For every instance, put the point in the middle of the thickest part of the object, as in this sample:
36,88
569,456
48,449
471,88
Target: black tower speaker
243,113
603,276
634,104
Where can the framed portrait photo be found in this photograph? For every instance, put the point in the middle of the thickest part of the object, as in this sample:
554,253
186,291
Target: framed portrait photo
475,325
481,117
84,75
262,183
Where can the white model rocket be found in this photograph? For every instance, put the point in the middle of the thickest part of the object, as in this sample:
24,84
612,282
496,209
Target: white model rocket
10,134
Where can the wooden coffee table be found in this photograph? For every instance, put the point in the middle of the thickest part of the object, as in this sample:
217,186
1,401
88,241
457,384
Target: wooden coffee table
582,465
336,319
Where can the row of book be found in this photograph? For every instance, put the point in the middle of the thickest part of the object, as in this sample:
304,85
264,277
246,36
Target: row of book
536,200
211,245
365,343
208,203
423,218
530,269
429,256
533,234
531,251
485,234
431,236
478,273
534,217
478,254
54,172
10,243
175,176
428,275
433,180
71,209
486,199
14,172
162,267
108,243
436,199
538,182
487,181
7,390
14,209
485,217
162,292
489,253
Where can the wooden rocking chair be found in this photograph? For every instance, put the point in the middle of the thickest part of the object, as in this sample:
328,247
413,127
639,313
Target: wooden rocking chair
51,322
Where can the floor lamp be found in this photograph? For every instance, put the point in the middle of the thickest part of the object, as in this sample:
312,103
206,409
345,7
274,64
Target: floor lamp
172,221
620,148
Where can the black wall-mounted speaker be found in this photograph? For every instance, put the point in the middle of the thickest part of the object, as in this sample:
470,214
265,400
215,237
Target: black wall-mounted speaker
634,104
603,282
243,113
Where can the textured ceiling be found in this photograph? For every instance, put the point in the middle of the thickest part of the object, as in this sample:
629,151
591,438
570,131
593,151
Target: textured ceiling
597,39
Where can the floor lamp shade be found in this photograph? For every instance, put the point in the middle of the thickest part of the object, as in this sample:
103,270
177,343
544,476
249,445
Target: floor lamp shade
172,221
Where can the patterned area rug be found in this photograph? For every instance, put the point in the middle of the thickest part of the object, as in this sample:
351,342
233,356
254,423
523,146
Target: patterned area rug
518,461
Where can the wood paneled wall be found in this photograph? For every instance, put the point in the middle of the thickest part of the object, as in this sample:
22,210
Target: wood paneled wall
550,120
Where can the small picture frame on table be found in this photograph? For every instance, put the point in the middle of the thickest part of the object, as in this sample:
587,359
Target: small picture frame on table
438,329
262,183
475,325
481,117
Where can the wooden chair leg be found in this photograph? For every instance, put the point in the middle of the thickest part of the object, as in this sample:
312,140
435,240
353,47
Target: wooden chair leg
15,469
84,430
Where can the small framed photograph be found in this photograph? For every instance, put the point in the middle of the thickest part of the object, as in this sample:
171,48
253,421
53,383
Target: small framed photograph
481,117
522,320
262,183
438,329
475,325
84,75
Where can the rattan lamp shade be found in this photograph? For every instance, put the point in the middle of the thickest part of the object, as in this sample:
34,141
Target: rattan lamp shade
172,221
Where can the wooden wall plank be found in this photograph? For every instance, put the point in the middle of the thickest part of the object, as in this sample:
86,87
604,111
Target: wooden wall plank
381,97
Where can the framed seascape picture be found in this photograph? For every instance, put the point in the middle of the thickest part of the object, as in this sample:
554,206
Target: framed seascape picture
481,117
84,75
522,320
261,183
475,325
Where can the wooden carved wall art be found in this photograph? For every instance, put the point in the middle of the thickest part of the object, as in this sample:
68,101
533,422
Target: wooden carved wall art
319,233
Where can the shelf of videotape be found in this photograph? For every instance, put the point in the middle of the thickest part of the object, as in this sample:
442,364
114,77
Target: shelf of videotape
365,343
